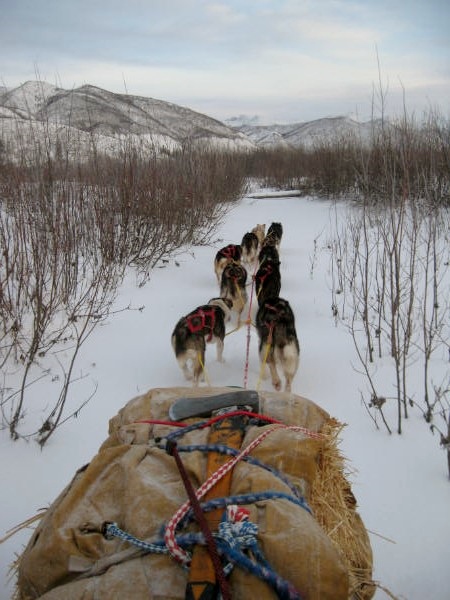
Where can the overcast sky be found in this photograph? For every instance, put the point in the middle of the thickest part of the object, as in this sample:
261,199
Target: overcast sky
283,60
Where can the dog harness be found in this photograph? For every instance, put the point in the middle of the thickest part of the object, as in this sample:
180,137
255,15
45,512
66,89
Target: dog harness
235,272
276,313
229,251
267,270
200,320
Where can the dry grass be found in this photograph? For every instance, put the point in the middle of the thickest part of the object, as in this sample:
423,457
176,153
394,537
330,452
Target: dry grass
334,507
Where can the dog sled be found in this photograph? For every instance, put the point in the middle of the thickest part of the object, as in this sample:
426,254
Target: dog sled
206,493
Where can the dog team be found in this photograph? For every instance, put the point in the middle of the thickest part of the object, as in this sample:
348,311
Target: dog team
256,259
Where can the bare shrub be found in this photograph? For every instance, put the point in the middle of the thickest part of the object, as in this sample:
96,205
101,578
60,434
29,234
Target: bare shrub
70,225
394,265
394,159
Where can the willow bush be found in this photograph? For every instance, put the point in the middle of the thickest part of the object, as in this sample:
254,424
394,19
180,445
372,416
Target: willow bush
70,226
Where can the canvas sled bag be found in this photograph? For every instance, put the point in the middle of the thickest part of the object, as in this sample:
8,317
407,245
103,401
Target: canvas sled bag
306,530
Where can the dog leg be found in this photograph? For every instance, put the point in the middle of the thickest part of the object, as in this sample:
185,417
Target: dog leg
240,308
276,381
265,348
219,349
183,364
199,364
290,361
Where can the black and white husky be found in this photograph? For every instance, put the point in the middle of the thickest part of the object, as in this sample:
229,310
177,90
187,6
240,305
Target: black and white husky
230,254
278,342
205,324
274,234
232,287
250,247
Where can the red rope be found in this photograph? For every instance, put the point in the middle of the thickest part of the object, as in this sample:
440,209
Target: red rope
157,422
236,413
247,413
270,420
249,321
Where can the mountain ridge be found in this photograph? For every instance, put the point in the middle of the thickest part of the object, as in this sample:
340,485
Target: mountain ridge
89,110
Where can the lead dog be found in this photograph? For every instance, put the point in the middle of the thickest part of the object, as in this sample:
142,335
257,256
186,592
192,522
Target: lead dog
278,342
260,232
205,324
229,254
232,287
274,234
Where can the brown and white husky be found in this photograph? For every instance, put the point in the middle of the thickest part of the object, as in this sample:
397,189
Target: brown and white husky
260,232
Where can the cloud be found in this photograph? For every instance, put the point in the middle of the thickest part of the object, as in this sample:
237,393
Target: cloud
233,53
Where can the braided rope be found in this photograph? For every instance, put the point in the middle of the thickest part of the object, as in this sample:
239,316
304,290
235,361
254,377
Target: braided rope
204,525
220,448
169,536
111,530
257,416
235,535
233,538
243,499
249,322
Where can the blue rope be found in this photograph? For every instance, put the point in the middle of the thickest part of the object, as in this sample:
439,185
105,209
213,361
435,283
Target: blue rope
111,530
229,542
173,435
179,432
222,449
231,539
243,499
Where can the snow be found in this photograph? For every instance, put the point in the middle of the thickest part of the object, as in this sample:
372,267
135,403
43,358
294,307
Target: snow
400,482
31,95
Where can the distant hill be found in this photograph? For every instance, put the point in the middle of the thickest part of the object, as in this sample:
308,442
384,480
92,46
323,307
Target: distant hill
295,135
38,111
110,116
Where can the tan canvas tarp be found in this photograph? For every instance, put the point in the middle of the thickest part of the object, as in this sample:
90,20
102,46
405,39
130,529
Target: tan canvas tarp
134,483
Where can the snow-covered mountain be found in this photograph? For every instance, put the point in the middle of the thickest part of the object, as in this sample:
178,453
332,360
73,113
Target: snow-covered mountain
110,116
38,110
297,135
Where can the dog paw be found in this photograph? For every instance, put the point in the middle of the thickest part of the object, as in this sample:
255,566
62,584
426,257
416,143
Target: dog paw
277,385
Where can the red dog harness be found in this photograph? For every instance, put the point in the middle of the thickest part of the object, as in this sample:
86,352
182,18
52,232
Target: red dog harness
277,313
200,320
229,251
267,270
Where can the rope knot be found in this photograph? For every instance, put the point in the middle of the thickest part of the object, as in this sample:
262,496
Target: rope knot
236,530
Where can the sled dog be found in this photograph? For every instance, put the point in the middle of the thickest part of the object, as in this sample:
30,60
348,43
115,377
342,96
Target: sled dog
274,235
278,342
267,281
260,232
269,253
229,254
232,287
250,246
205,324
